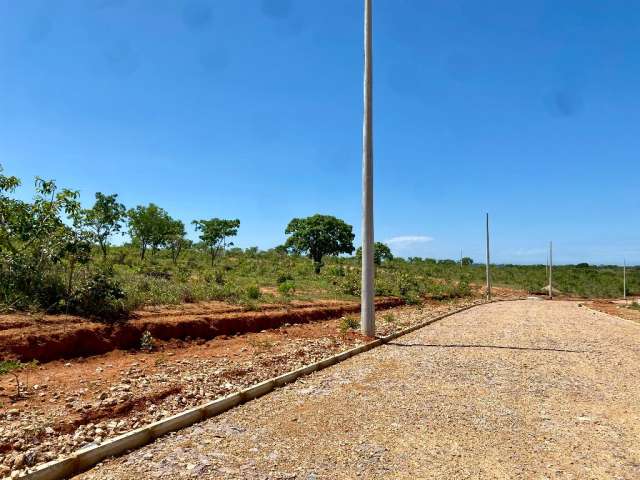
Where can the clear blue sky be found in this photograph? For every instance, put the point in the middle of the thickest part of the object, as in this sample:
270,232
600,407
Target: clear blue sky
253,109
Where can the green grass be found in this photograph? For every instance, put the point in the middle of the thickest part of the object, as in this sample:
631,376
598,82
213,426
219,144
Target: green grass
251,277
10,366
239,276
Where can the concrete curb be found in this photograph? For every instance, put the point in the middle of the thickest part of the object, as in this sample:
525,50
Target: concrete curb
85,458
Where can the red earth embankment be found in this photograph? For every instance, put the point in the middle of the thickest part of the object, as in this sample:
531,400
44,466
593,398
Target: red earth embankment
55,337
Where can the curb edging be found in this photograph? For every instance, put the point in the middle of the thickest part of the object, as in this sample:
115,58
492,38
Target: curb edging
85,458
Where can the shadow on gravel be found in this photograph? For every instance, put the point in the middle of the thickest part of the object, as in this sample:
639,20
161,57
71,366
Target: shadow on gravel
396,344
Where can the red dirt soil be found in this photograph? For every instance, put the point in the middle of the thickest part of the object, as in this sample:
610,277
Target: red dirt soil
53,337
617,309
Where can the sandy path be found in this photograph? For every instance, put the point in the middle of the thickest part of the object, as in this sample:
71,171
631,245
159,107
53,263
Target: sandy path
528,389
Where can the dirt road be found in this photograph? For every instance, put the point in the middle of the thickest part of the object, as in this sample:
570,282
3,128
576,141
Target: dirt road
528,389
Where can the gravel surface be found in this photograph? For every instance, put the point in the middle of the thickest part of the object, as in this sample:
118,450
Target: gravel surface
72,404
528,389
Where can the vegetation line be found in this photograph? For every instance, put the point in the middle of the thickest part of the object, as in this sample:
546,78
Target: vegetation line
57,257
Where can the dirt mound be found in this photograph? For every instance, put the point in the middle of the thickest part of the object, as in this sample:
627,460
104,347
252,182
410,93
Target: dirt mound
54,338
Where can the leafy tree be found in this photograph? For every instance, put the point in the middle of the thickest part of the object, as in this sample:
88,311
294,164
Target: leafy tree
319,235
447,261
176,239
34,239
10,211
150,226
77,250
381,252
466,261
215,232
280,250
104,219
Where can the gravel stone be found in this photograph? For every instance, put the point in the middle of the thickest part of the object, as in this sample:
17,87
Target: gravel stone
514,390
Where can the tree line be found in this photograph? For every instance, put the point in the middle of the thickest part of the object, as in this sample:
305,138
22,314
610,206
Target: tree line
43,241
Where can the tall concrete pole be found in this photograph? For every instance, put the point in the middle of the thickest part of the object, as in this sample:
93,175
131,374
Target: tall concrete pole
624,280
546,267
488,272
367,313
550,270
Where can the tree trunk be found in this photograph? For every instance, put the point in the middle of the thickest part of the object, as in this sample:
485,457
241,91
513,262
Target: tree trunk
70,276
317,264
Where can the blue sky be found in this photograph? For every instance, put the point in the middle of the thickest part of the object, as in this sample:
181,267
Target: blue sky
253,109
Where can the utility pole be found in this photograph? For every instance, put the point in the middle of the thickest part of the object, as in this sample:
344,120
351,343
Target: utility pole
367,312
550,270
488,273
546,268
624,280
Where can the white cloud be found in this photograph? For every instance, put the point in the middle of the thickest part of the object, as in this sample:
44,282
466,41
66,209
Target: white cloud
407,240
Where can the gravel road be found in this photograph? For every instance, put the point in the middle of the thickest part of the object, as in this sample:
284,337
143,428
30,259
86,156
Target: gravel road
528,389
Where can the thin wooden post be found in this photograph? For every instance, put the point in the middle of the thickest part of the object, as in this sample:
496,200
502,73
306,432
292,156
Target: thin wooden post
488,268
367,312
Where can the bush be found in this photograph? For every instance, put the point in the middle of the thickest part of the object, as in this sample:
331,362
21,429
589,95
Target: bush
389,318
349,322
253,292
349,284
101,298
463,289
287,288
335,270
147,342
284,277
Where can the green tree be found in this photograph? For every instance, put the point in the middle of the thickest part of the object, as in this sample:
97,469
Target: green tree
215,232
447,261
381,253
319,235
466,261
35,240
150,227
11,211
104,219
176,239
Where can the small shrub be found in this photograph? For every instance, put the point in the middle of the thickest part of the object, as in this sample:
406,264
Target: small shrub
261,344
335,270
349,322
147,342
101,298
253,292
287,288
15,368
183,274
389,317
251,306
350,284
284,278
